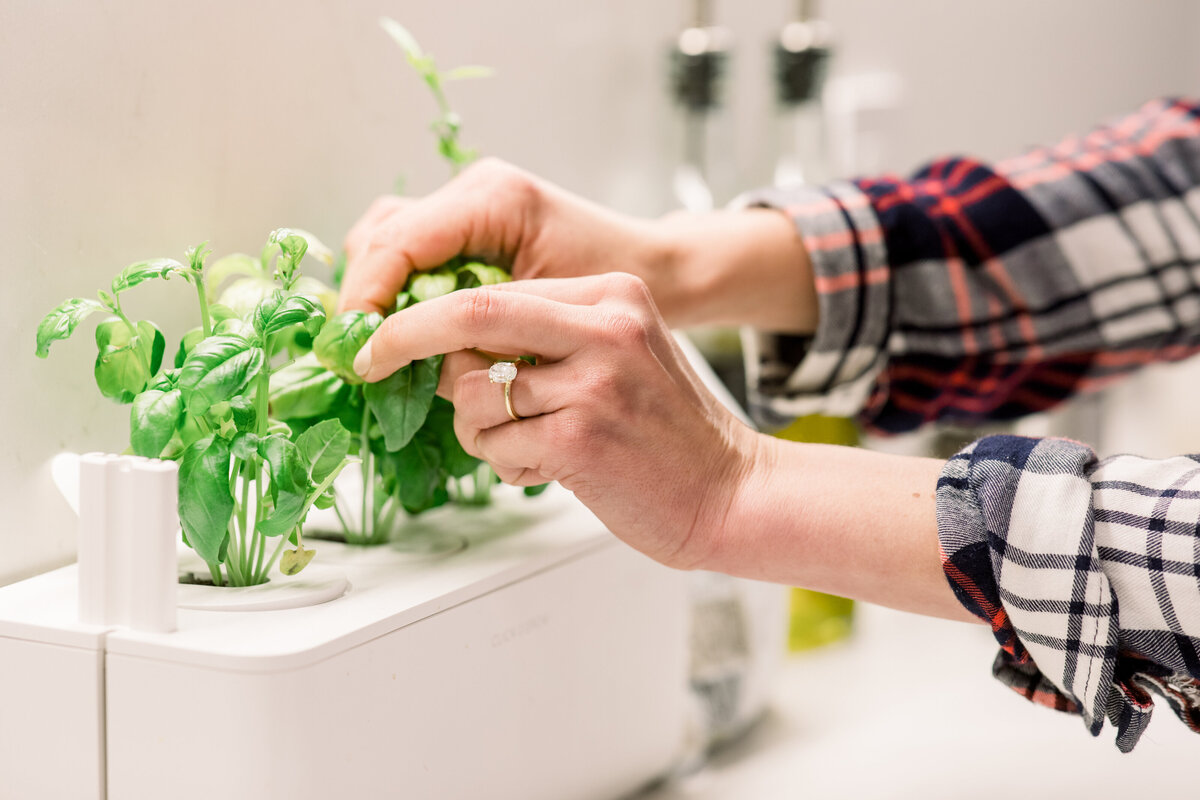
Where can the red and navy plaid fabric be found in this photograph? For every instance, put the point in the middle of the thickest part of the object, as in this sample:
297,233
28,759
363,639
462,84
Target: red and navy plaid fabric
973,293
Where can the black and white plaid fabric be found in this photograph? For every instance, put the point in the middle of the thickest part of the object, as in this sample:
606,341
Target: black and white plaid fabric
1088,573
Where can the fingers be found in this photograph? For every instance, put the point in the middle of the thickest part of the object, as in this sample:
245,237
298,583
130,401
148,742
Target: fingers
588,290
485,212
485,319
518,451
455,366
479,403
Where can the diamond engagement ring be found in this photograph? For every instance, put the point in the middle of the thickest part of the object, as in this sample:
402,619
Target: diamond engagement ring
505,372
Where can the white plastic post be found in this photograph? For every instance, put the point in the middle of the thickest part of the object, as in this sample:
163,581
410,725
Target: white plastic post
155,575
121,508
93,522
127,526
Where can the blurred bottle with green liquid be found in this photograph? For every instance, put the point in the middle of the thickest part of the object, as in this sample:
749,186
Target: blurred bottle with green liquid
818,619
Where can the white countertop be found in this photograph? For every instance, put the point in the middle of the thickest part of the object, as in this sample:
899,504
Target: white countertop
908,708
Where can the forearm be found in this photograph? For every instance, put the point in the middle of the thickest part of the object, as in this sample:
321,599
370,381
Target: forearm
733,268
840,520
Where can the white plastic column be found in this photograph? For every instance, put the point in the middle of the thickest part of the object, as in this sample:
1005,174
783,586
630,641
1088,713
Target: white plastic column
127,527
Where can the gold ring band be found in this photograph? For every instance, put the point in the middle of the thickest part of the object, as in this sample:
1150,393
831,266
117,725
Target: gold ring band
508,402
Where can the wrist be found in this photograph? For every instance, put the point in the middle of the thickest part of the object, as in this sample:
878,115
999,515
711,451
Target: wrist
730,498
745,267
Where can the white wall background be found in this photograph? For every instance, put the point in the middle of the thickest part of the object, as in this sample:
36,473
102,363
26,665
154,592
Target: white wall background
131,129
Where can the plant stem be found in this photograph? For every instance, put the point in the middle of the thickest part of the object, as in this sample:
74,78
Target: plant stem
231,556
320,490
368,476
283,539
337,509
262,392
242,516
202,295
389,518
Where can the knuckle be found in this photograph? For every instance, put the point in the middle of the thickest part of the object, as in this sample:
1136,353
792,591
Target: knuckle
629,288
628,330
500,181
477,310
601,383
572,430
459,394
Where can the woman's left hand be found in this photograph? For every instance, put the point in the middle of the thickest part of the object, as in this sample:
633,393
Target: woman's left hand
611,411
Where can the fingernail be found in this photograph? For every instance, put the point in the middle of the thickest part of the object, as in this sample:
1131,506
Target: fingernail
362,361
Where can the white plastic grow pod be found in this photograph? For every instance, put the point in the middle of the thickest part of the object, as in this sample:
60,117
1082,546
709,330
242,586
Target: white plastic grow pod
546,664
539,657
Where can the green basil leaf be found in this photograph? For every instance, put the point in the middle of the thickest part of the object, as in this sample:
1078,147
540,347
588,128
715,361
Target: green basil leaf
234,326
126,362
152,421
245,446
534,491
326,499
205,501
401,401
165,381
402,37
289,484
428,285
292,243
304,389
486,274
324,447
197,255
340,339
456,461
153,343
404,300
467,72
187,343
142,271
243,296
279,428
62,322
418,473
218,369
277,313
245,415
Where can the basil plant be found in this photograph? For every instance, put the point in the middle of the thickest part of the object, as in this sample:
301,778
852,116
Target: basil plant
246,479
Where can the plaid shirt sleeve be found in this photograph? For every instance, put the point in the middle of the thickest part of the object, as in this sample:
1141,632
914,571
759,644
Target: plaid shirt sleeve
973,293
1088,573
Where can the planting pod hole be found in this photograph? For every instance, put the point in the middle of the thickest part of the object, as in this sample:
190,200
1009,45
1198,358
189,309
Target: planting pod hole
319,583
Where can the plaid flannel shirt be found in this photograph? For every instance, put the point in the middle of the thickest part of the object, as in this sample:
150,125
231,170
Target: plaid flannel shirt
973,293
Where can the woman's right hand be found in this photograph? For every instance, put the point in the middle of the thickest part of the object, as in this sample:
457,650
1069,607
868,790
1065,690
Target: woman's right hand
500,214
746,267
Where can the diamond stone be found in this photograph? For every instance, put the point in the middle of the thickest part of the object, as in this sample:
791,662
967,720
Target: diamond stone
502,372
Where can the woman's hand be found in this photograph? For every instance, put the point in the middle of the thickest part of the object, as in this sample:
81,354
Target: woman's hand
497,213
611,410
746,267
